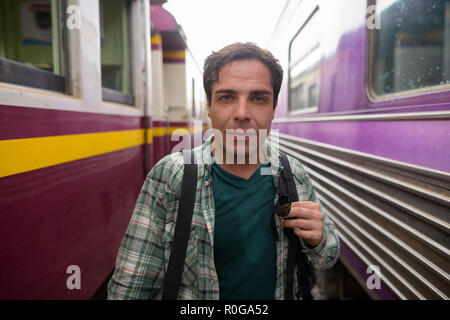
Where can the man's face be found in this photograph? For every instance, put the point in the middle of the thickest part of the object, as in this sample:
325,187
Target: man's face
241,99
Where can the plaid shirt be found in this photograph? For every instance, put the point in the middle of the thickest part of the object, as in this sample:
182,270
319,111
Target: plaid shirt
144,252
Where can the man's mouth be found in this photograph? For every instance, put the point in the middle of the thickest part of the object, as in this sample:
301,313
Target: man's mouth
241,135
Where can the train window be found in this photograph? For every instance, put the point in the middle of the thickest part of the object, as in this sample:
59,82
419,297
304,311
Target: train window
115,50
31,44
313,95
411,49
304,66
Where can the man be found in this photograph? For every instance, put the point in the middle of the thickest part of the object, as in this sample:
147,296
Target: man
237,248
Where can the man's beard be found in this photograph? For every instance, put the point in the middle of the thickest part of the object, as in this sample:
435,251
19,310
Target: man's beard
240,147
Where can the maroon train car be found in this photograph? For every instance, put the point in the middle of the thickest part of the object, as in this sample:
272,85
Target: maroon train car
81,124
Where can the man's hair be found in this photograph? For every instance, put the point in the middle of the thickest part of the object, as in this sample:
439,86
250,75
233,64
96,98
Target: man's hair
240,51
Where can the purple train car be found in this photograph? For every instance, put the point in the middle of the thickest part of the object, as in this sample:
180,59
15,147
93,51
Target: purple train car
365,106
80,127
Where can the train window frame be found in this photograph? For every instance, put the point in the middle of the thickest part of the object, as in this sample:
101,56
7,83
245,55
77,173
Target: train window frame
112,95
370,91
312,109
18,73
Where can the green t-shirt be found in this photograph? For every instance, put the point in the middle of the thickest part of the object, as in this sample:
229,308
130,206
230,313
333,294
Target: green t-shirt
244,244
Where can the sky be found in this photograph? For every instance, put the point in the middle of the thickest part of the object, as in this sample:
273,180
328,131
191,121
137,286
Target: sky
212,24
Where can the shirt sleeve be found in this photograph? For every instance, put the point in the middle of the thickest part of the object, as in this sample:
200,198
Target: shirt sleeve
139,269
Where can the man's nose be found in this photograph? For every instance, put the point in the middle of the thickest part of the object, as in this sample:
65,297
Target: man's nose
242,112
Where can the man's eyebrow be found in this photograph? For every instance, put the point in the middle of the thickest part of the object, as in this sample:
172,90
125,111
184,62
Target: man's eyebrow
225,91
262,92
254,92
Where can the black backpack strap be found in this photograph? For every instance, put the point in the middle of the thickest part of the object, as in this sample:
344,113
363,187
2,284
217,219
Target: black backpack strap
287,195
182,228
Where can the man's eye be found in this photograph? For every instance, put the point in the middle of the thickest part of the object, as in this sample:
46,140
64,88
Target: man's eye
226,97
260,99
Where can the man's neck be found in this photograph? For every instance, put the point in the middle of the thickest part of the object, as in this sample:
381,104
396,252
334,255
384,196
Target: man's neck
244,171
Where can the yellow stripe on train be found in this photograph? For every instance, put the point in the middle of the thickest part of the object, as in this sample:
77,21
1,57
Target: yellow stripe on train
174,54
21,155
156,39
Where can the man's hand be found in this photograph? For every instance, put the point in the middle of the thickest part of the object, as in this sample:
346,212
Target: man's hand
307,221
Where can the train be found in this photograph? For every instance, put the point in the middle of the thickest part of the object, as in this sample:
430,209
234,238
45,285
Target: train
94,93
365,106
91,94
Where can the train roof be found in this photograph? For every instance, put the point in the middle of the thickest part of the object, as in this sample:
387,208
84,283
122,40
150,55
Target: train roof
163,22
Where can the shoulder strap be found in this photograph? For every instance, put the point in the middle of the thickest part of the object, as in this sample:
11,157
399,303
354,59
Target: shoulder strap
182,228
286,182
287,195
